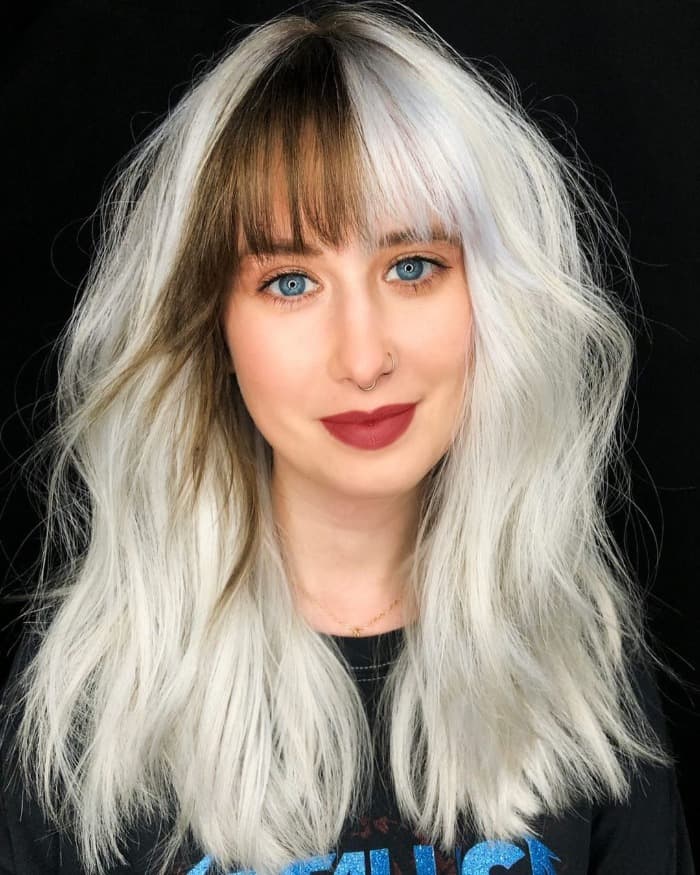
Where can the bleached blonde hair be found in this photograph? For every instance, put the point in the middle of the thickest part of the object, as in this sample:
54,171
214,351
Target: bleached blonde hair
174,673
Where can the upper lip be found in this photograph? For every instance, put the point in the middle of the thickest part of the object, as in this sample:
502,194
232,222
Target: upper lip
361,416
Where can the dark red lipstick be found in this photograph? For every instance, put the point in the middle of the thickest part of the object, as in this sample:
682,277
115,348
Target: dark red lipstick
371,429
362,416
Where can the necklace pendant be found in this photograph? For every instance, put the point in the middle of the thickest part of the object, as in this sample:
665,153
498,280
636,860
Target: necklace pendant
356,632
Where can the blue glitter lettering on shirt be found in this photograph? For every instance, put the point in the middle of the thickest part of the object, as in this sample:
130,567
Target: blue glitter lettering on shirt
322,863
379,861
424,855
351,863
541,858
477,861
483,856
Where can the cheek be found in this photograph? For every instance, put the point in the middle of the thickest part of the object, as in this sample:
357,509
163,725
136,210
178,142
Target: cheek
265,360
458,341
254,371
443,338
244,337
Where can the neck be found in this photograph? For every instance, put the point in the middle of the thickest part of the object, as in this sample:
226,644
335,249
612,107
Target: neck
343,573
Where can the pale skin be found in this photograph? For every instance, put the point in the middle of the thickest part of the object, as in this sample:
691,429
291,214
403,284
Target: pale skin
349,516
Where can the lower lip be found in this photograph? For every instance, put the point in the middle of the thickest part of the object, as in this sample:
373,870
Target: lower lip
374,435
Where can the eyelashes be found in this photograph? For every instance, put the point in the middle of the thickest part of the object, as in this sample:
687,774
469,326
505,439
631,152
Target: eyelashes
298,279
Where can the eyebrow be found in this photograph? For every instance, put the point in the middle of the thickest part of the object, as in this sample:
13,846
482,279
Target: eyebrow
386,241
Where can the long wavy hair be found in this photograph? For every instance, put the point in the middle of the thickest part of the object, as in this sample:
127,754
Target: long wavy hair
174,673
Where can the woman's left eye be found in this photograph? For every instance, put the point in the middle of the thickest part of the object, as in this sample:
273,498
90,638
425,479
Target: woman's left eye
412,269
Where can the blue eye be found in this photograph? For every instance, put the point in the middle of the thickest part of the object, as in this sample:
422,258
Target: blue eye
413,268
292,285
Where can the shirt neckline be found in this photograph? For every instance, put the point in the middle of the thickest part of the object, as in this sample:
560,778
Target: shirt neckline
370,650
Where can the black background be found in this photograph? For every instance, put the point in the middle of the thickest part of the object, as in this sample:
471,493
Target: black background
84,81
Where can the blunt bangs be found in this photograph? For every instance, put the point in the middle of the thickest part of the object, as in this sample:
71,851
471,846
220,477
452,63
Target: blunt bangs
300,163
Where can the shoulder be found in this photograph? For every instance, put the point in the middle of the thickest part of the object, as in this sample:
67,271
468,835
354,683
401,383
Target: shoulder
28,843
10,707
647,833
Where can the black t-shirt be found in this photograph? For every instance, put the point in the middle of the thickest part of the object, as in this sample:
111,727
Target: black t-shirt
645,836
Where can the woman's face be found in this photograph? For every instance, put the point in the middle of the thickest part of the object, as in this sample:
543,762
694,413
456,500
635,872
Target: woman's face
305,332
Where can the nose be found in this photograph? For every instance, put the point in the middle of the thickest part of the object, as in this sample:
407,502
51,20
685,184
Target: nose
361,334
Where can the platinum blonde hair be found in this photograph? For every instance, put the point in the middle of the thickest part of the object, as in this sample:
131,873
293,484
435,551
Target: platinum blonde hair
174,674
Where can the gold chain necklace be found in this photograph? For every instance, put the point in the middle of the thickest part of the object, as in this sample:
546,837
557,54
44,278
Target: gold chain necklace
355,630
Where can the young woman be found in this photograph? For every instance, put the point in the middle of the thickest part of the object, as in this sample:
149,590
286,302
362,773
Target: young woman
335,411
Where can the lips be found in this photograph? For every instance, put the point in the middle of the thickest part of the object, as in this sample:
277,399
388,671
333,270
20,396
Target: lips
360,417
374,434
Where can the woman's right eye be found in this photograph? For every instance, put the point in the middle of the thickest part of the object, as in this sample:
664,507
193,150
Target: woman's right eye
292,287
